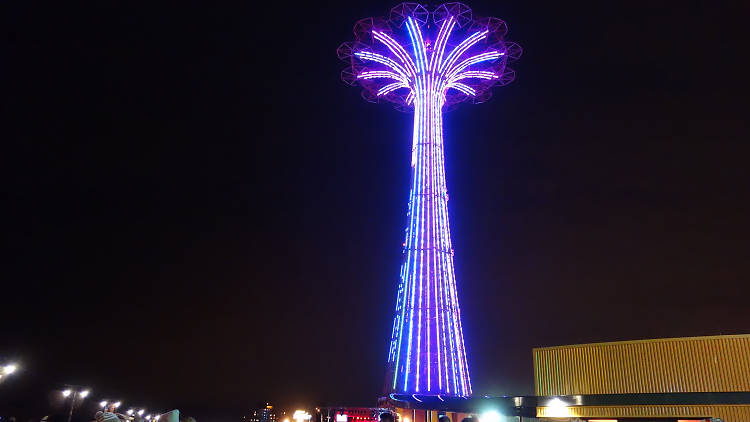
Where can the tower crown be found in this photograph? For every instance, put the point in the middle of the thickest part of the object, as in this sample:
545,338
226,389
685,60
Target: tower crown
462,55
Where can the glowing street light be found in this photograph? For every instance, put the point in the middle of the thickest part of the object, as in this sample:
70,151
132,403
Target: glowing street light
130,412
82,394
557,408
103,403
140,412
116,404
9,369
148,417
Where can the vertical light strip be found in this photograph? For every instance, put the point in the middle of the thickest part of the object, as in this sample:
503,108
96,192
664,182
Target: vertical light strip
428,203
457,332
438,40
431,235
433,216
422,49
415,207
456,312
405,277
448,266
421,238
442,213
420,55
456,323
439,199
413,44
430,232
424,140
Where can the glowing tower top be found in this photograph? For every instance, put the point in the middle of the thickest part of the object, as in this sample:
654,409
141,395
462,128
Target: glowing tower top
428,60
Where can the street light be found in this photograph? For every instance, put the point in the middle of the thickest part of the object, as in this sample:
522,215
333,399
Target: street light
9,369
557,408
130,412
140,412
103,403
76,394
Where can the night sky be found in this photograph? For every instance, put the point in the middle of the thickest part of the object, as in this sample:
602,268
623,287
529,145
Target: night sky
200,215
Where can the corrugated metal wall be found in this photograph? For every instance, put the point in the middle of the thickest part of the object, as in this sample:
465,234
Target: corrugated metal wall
734,413
694,364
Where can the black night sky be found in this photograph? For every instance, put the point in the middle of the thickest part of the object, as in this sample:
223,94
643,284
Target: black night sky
200,215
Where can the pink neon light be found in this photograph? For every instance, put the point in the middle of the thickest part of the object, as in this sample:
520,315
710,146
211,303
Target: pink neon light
463,88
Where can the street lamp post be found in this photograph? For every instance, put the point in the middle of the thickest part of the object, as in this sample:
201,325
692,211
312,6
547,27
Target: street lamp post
76,394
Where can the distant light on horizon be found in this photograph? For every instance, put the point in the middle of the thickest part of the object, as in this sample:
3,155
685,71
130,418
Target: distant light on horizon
490,416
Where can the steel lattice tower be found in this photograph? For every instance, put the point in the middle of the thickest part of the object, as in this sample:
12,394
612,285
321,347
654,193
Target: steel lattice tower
426,61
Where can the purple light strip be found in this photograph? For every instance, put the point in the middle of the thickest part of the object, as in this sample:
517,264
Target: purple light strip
456,314
414,228
489,55
430,63
386,89
473,75
374,74
463,88
397,50
461,48
410,237
422,51
433,216
409,99
445,242
419,52
375,57
441,42
417,46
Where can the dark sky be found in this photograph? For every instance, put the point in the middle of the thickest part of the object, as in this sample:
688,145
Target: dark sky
200,214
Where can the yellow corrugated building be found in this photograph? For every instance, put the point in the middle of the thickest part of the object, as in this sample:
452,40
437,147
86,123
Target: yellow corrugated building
666,374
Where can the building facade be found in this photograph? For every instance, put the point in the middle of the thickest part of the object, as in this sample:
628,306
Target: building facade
673,379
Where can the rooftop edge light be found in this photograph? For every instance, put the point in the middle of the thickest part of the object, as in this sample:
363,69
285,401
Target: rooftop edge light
427,61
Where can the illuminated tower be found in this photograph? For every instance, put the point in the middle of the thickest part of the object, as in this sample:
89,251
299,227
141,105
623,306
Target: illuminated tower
428,60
